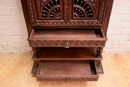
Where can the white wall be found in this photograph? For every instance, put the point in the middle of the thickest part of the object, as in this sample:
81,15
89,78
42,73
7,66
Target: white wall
13,32
119,28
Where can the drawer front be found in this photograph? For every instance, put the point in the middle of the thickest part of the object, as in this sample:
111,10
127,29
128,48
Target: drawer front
67,71
68,79
67,43
67,38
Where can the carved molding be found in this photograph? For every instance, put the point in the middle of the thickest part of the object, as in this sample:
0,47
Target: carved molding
68,79
102,11
66,10
62,23
66,43
31,10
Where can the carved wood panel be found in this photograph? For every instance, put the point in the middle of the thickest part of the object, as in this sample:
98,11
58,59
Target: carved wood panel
49,9
81,9
66,12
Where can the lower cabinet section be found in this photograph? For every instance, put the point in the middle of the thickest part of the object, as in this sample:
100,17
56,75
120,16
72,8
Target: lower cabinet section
67,64
66,70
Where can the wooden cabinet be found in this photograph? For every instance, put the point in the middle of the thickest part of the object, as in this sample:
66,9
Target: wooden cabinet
67,37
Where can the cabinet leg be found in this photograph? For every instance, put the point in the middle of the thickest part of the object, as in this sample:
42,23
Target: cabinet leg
35,52
35,68
99,52
99,68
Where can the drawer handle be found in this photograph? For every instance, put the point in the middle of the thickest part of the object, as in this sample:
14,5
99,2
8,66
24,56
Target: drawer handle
67,45
67,80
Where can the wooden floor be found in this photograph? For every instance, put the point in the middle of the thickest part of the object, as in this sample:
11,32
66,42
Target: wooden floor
15,72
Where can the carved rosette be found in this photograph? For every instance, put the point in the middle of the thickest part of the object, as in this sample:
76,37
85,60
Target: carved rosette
66,43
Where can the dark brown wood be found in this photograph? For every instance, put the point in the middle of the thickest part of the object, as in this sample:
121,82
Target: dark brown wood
108,9
26,15
79,25
67,54
67,38
99,67
35,68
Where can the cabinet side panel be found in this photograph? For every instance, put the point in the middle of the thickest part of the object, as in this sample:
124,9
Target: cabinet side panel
108,8
26,16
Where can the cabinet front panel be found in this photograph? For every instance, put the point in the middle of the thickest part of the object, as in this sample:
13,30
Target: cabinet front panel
66,13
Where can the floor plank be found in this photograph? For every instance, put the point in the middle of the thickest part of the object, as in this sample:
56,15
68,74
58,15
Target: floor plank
15,71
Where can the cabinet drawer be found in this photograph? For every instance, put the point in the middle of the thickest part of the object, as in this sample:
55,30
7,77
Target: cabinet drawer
67,38
67,71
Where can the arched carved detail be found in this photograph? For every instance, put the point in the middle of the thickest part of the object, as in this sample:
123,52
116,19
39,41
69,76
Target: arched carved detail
54,12
84,8
49,8
81,11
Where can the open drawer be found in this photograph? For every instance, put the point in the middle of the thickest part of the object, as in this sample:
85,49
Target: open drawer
67,38
67,70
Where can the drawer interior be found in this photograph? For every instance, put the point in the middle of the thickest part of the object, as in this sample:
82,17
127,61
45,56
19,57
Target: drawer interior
66,34
66,69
